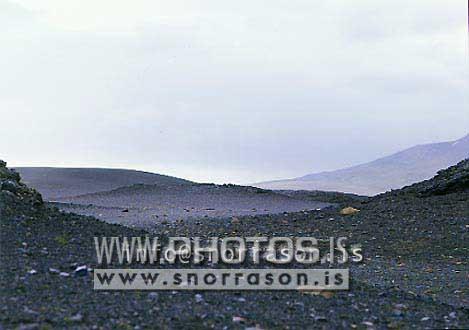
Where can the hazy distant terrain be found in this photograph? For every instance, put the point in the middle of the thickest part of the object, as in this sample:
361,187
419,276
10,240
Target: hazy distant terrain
392,172
142,199
54,183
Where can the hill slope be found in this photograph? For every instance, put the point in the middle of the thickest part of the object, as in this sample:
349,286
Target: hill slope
392,172
454,179
54,183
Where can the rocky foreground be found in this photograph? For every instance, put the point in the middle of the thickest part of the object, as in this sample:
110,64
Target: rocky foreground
414,275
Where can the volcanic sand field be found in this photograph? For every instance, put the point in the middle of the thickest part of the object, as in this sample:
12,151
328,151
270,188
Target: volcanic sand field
145,205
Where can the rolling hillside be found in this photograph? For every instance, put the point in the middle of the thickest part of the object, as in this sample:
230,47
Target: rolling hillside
54,183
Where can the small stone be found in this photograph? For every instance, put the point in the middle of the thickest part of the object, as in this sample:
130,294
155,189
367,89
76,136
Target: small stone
257,327
29,326
76,318
238,319
30,311
32,272
64,274
327,294
81,271
423,319
199,298
398,313
349,211
400,306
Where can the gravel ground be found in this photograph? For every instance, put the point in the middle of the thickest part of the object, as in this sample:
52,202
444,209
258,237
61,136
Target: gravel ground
51,239
415,272
144,205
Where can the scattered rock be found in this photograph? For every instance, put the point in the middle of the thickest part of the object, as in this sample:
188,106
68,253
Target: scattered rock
398,313
10,186
349,211
29,326
76,318
327,294
238,319
313,292
81,271
199,298
153,295
29,311
54,271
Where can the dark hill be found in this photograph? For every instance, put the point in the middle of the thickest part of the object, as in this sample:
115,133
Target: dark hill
54,183
454,179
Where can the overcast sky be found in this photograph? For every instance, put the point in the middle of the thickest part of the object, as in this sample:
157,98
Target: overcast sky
229,91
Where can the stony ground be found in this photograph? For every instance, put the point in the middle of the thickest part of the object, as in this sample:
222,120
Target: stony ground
415,272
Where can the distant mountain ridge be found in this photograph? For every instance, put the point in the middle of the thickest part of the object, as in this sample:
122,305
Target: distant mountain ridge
403,168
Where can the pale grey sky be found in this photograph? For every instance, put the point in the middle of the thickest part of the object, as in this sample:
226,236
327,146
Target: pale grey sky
229,91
